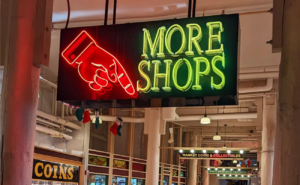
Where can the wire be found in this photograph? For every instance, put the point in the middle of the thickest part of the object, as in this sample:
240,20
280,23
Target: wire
69,12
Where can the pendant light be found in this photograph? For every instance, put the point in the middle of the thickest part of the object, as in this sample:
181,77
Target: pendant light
205,120
225,136
217,137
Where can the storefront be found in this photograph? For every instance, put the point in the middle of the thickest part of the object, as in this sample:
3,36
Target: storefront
56,168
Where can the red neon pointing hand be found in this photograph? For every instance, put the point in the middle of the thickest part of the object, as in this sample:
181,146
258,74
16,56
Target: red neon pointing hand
96,66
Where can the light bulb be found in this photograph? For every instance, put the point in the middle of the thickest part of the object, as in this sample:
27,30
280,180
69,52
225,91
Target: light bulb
228,151
192,151
242,175
236,175
241,151
180,151
216,151
224,175
248,175
204,151
216,169
223,169
231,169
218,175
205,120
229,175
208,168
239,169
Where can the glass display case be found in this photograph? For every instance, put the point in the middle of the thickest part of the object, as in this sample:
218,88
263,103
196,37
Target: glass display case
37,182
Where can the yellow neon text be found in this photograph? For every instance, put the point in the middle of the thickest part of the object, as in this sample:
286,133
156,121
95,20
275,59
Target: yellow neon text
194,40
218,72
198,73
168,39
158,75
190,74
142,64
158,41
214,38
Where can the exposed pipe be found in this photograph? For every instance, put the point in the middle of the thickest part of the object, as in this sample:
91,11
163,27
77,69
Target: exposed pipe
248,76
265,88
58,120
240,10
218,116
184,118
52,132
50,123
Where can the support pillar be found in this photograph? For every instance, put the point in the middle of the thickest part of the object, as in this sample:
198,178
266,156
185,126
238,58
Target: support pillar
199,165
152,129
205,174
19,92
289,99
268,139
192,178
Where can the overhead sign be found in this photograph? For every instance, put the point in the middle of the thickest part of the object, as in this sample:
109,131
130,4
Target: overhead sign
228,171
180,62
210,156
43,170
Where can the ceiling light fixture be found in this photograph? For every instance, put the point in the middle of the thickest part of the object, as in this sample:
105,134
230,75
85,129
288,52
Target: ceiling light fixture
217,137
205,120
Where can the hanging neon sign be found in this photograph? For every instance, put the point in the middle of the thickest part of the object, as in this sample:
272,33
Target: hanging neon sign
182,58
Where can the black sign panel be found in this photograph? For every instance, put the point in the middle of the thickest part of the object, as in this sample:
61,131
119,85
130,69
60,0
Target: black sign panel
50,171
179,62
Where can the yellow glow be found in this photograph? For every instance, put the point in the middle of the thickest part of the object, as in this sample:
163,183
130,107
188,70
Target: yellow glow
194,40
168,38
158,75
190,75
158,41
198,73
214,38
146,89
218,72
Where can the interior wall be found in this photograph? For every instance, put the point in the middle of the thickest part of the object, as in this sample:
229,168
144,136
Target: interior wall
213,180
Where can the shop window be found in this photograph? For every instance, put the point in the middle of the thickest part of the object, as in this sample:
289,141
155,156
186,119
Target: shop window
98,137
182,174
140,144
174,183
166,180
100,161
121,142
120,164
97,180
138,167
119,181
137,182
175,173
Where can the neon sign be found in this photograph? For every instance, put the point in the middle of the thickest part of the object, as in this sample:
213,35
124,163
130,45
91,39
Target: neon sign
96,66
191,59
217,53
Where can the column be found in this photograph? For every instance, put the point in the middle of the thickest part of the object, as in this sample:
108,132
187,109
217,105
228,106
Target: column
19,92
289,100
199,165
205,174
192,178
152,128
268,139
